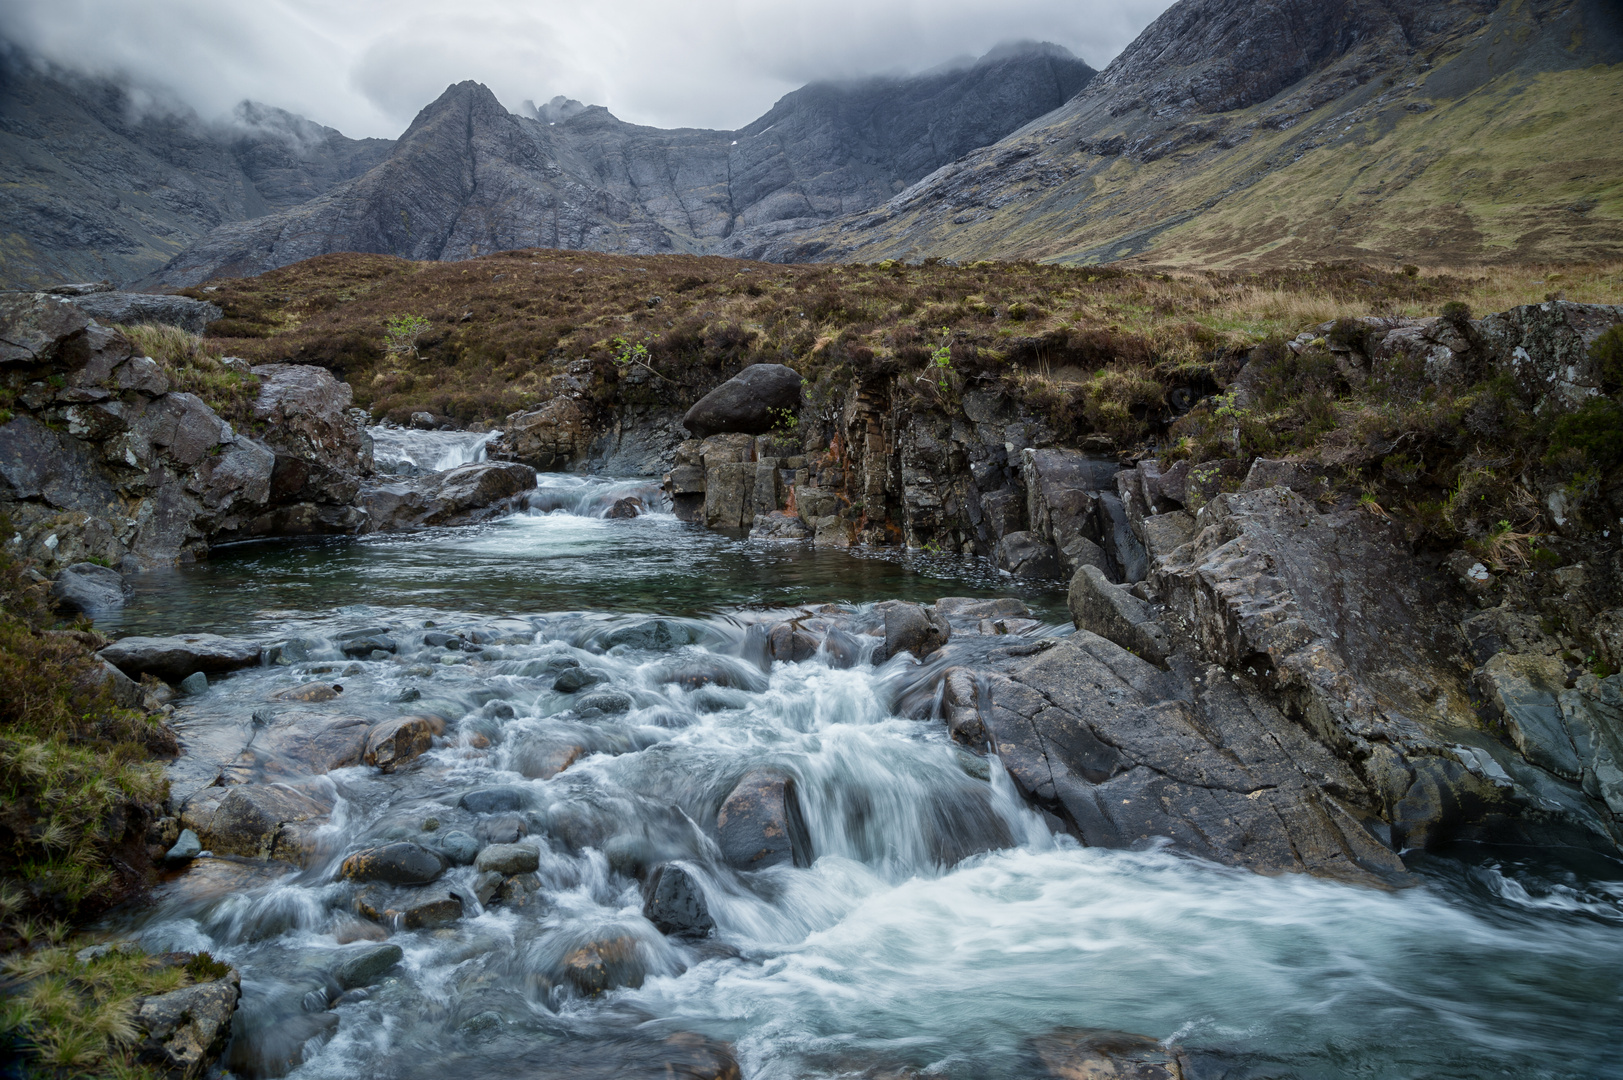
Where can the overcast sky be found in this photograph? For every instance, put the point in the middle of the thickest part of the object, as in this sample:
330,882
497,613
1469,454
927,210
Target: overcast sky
367,66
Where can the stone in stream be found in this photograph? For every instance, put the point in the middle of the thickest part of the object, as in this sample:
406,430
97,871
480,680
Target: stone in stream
752,402
1073,1052
194,684
87,589
365,643
364,964
760,823
910,628
502,829
265,821
187,848
300,745
675,903
659,635
182,1031
779,525
502,798
603,703
575,679
309,693
173,658
414,909
602,965
461,496
543,757
401,863
396,742
629,507
509,859
458,848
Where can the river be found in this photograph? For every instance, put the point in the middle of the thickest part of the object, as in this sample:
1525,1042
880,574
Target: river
941,931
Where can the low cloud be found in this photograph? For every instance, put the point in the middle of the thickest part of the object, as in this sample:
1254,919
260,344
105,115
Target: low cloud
367,66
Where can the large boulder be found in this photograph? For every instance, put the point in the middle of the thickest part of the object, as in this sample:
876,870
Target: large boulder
87,589
130,309
36,328
394,864
262,821
753,402
173,658
1113,613
760,823
459,496
322,451
910,628
550,438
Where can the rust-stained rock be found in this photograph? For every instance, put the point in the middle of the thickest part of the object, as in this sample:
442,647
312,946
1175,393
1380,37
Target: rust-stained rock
760,824
394,743
264,821
601,965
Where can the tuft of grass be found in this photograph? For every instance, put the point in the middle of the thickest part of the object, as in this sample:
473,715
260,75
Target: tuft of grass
194,369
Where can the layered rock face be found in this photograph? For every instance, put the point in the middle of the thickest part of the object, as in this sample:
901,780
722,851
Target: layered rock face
106,189
469,177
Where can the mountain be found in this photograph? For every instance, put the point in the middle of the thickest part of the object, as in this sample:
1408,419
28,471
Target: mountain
100,187
469,176
1230,132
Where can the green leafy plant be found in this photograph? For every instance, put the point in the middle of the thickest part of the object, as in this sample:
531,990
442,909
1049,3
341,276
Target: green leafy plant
941,359
784,420
401,334
627,353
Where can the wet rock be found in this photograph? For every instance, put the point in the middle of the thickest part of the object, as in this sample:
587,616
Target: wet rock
602,965
414,909
629,507
194,684
1117,615
961,706
603,703
910,628
365,642
1118,539
779,525
752,402
309,693
322,452
1025,555
301,745
760,823
395,743
173,658
1069,1054
183,1031
395,864
208,880
961,607
543,757
364,965
502,829
496,800
574,680
87,589
515,891
675,904
187,848
711,670
549,438
509,859
458,848
131,309
266,821
655,635
459,496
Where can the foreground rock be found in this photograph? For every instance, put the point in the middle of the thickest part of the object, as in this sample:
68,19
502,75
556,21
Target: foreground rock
172,659
760,823
459,496
183,1031
86,589
752,402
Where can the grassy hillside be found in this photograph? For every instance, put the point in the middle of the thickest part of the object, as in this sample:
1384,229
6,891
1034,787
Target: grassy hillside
498,328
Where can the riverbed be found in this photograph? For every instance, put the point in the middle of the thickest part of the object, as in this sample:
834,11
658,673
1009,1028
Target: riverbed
941,928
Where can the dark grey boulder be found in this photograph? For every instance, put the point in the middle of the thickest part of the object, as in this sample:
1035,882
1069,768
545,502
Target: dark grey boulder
464,495
173,658
1117,615
750,402
362,965
573,680
396,864
1026,555
659,634
458,848
760,824
496,800
911,628
675,904
86,588
509,859
133,308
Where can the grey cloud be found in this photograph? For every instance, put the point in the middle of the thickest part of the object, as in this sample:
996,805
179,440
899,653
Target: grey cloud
367,66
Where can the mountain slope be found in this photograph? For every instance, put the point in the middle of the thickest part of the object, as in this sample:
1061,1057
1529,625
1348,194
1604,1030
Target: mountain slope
94,188
470,177
1416,130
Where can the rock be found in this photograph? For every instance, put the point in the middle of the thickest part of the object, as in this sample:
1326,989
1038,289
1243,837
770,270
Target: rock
424,421
602,965
752,402
321,451
1116,615
37,329
675,904
655,635
779,525
1118,539
87,589
963,607
395,864
131,309
910,628
1545,348
460,496
187,848
574,680
265,821
550,438
173,658
629,507
414,909
310,693
458,848
364,964
300,744
729,495
542,757
194,684
496,800
1070,1054
183,1031
603,703
394,743
509,859
366,642
1024,555
1062,493
760,823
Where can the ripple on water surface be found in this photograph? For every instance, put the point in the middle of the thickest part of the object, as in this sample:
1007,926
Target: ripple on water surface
940,929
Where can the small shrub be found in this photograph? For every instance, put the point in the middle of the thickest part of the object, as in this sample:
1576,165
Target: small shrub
1607,351
1594,430
402,333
